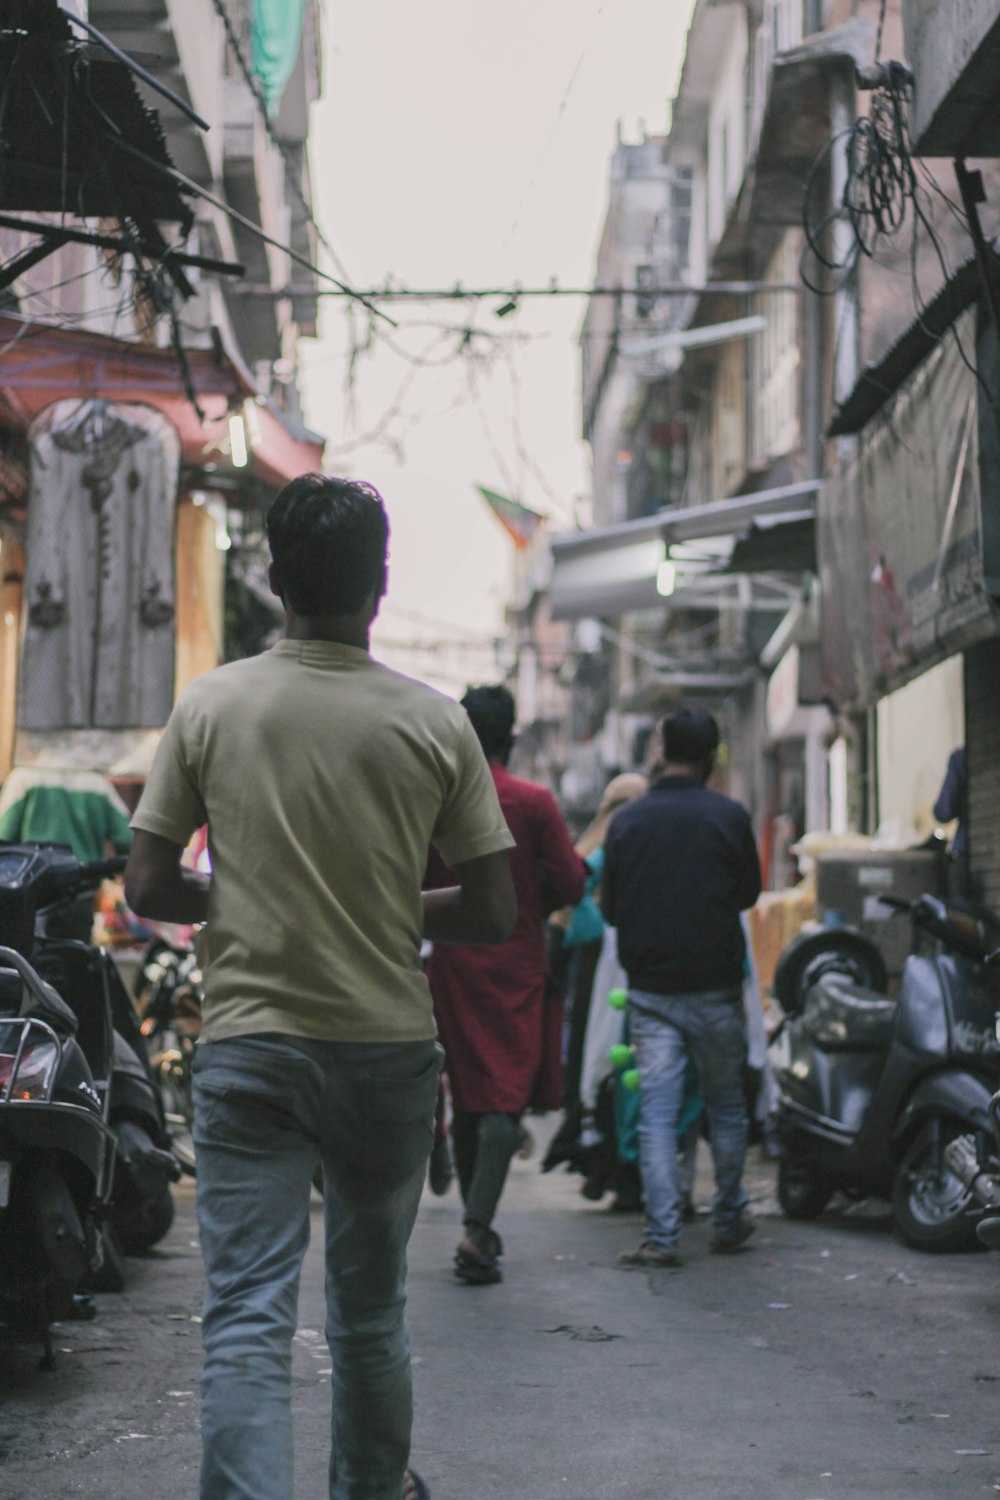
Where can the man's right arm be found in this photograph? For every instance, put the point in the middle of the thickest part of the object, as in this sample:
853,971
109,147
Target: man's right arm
481,909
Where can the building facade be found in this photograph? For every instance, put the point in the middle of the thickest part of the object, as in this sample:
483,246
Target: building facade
769,541
182,290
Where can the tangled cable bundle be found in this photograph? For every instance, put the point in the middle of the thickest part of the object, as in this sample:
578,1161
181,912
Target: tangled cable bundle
880,185
880,175
882,191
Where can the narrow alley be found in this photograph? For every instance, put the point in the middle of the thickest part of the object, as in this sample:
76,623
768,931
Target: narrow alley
830,1362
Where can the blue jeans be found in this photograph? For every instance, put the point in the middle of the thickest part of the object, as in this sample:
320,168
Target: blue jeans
666,1031
268,1109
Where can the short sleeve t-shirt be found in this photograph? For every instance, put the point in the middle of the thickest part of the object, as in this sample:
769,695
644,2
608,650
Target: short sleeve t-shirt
323,777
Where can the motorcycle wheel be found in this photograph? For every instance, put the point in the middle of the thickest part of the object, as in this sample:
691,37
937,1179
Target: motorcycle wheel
802,1193
144,1227
178,1109
931,1205
833,950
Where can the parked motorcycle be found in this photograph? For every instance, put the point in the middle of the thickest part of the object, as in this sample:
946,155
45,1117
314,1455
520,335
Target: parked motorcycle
84,1165
169,994
875,1091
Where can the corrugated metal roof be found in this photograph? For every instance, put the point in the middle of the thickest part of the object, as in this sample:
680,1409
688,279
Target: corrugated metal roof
68,115
879,381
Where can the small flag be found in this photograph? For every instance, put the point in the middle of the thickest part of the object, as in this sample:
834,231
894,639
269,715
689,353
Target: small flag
517,520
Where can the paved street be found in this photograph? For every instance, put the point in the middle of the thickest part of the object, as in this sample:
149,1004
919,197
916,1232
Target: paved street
830,1363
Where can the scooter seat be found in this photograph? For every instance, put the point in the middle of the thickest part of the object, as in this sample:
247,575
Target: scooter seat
843,1017
43,1002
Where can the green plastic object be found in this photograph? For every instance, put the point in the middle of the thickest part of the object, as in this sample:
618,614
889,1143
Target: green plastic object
618,999
620,1055
631,1079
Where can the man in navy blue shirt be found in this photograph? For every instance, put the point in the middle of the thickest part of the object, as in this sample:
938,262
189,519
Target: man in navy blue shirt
680,866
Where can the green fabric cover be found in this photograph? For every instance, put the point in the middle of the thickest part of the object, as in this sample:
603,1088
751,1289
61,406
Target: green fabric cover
275,41
86,821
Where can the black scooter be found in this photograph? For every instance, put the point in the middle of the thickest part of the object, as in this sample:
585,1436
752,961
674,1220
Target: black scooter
873,1091
84,1164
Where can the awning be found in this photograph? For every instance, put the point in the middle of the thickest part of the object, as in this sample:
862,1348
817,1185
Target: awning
880,381
73,121
40,363
617,570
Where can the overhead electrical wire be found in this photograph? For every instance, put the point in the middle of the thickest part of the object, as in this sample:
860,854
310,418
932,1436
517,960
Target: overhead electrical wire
202,192
515,293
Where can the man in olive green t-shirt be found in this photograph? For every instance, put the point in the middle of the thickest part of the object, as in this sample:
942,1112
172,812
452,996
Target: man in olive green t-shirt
323,777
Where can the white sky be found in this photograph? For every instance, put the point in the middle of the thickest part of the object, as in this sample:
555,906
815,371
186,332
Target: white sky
464,142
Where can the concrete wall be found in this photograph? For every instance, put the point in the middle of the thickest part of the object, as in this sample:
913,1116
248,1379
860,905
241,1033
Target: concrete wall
918,728
727,131
955,87
201,46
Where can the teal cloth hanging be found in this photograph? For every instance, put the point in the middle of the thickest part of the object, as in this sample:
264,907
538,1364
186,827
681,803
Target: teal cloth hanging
275,41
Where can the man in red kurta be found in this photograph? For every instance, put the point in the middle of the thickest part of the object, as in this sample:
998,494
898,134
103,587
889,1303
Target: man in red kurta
497,1022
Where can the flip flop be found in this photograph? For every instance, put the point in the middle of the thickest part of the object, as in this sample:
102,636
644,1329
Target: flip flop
474,1273
421,1492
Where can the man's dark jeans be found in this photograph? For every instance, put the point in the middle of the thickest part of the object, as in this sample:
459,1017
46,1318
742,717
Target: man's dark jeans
267,1110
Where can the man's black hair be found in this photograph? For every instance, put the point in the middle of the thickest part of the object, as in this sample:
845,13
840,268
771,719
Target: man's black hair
328,540
492,712
690,737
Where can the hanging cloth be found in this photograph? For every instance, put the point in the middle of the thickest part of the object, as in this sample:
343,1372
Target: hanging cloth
275,43
99,640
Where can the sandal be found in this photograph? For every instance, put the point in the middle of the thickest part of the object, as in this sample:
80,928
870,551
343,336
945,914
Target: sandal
414,1487
477,1256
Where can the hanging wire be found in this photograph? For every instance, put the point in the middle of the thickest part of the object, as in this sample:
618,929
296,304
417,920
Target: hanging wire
879,31
879,187
291,165
881,193
539,160
379,432
521,447
472,373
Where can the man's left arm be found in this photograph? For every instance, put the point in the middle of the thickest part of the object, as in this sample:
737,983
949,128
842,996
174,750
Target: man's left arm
158,886
748,877
171,808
